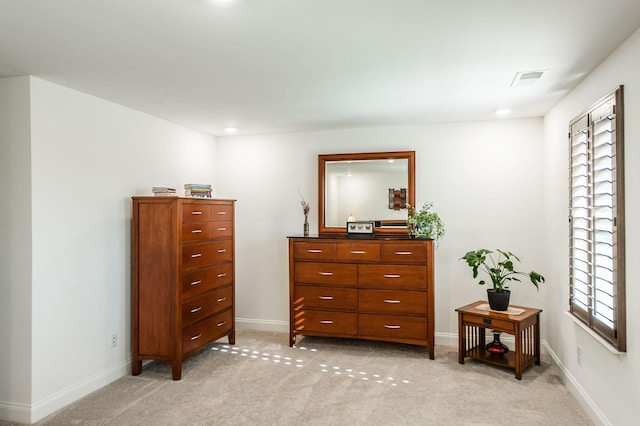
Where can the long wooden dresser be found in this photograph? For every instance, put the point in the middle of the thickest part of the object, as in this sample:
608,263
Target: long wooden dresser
377,289
182,278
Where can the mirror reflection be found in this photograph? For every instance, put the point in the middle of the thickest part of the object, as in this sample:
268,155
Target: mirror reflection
374,186
366,190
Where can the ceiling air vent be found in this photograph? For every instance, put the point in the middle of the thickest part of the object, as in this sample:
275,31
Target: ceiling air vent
526,77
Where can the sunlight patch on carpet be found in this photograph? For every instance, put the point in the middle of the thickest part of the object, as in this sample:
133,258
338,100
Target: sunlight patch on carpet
349,373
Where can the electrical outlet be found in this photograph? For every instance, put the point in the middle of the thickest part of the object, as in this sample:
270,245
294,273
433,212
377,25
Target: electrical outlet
114,340
579,355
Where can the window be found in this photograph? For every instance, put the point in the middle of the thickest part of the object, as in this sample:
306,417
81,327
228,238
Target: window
596,219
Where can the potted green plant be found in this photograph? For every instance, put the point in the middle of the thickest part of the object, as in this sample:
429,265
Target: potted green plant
425,223
501,270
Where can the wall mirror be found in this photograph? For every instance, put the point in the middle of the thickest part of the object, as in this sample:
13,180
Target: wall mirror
366,186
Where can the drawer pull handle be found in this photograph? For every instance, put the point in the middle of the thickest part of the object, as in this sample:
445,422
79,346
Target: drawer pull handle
326,274
196,213
196,337
222,275
196,282
221,212
196,231
196,255
404,253
358,252
392,275
222,229
392,327
221,323
314,251
326,322
222,299
391,301
194,310
222,250
325,297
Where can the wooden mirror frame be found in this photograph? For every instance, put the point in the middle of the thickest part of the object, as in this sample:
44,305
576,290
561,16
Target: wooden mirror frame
382,230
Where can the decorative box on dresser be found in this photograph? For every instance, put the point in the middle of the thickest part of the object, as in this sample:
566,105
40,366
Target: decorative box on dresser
376,289
182,278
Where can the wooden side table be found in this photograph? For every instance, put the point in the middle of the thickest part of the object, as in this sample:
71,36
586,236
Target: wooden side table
520,321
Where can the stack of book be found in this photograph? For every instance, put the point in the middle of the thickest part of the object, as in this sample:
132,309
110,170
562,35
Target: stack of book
197,190
161,191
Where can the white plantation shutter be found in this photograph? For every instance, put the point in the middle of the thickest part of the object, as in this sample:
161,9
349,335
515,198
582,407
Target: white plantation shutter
596,217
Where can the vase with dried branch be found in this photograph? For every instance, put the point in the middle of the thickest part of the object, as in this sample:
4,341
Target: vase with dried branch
305,209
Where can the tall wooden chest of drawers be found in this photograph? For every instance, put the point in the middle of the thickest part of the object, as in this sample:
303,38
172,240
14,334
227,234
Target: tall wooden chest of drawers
182,278
376,289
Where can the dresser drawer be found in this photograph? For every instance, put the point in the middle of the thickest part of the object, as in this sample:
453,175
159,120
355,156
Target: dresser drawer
328,298
201,231
326,322
369,288
195,212
392,302
313,251
325,273
207,304
392,276
219,212
485,321
394,327
195,231
198,255
358,252
202,280
199,334
221,229
404,253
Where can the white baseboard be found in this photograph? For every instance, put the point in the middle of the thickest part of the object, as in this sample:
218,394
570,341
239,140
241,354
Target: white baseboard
592,410
12,412
578,392
451,339
262,325
47,406
29,414
446,339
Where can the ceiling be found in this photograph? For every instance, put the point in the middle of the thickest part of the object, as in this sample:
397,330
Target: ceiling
268,66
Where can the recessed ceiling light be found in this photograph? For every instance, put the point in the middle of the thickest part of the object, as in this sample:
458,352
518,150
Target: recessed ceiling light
230,129
502,111
221,3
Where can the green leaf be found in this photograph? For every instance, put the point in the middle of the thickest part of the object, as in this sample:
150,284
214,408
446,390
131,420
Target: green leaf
501,270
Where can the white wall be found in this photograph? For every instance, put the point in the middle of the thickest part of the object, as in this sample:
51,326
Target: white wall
68,284
88,157
15,246
484,179
611,382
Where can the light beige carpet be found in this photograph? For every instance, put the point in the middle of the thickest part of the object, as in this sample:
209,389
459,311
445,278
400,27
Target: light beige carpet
327,381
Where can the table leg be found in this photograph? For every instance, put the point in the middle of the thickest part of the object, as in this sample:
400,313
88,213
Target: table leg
461,340
518,352
536,339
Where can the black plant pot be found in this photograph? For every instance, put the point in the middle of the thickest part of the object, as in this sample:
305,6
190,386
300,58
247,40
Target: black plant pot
498,301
